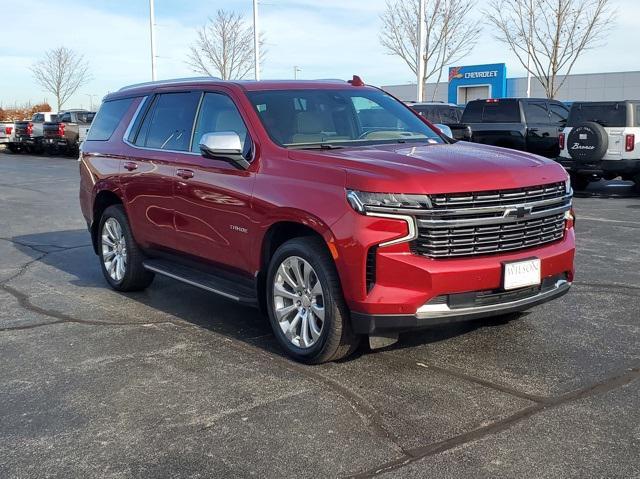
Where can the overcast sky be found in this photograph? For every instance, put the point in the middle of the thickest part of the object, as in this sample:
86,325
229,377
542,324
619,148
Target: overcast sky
326,38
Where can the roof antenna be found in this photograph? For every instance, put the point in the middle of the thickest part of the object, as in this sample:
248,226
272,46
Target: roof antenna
356,81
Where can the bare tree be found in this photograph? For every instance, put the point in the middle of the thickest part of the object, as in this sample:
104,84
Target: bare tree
61,72
224,47
548,36
449,33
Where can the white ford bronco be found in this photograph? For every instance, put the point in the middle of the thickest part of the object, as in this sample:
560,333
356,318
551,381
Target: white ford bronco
601,140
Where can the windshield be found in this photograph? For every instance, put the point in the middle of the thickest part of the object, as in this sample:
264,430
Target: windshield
338,118
606,114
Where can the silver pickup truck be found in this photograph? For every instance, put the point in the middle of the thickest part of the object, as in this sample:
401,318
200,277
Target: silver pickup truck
8,135
29,133
68,131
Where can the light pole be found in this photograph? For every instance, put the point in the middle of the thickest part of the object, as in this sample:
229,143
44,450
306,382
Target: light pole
90,100
296,70
152,24
256,41
529,42
420,59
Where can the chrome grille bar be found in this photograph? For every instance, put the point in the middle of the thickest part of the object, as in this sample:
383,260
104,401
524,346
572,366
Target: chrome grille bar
471,224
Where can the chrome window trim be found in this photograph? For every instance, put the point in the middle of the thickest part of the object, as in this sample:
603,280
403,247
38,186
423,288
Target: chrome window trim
127,132
187,152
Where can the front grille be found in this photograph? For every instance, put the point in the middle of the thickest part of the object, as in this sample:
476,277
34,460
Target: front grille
499,197
471,224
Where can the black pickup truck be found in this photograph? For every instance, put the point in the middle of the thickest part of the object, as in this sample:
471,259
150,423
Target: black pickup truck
526,124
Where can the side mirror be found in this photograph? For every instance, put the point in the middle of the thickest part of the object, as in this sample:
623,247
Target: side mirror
224,145
444,129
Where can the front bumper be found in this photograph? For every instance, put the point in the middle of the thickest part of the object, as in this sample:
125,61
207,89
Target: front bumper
462,307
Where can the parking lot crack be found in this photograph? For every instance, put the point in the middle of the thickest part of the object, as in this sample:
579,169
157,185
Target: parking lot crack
412,455
608,285
482,382
367,414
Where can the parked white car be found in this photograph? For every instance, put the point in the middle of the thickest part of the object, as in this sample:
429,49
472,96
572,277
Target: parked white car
601,140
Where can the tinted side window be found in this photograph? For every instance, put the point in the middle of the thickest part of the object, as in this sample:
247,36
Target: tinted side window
107,119
501,112
84,117
536,112
492,111
168,124
218,113
559,113
473,112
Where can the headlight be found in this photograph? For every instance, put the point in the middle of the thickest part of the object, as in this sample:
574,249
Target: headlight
567,185
362,201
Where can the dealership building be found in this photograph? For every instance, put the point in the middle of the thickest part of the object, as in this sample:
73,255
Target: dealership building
474,82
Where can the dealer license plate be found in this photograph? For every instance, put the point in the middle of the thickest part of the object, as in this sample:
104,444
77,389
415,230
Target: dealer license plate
521,273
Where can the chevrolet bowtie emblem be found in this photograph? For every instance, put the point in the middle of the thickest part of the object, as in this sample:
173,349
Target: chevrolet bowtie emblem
518,211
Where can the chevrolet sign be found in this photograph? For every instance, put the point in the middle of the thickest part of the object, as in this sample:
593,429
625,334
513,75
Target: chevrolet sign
490,74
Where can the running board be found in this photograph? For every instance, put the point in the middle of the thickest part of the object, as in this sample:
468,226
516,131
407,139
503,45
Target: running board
229,289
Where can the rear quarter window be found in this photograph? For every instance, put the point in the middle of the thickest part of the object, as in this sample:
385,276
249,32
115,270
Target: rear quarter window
502,111
107,119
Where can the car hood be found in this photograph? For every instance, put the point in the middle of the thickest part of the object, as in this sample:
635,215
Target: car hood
441,168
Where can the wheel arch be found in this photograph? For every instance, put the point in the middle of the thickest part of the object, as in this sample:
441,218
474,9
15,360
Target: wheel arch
102,201
281,231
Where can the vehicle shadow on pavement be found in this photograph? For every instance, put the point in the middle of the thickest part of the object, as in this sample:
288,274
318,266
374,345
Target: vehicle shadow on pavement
64,262
609,189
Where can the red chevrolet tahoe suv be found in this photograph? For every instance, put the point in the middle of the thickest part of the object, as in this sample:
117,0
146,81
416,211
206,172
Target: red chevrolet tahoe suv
330,205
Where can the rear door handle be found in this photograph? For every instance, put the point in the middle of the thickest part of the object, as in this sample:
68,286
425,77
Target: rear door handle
130,165
184,174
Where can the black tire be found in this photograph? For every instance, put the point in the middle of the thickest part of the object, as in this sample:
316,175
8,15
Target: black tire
336,339
588,141
136,277
579,182
13,148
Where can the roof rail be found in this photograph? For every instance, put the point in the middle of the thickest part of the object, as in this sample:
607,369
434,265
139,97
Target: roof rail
170,81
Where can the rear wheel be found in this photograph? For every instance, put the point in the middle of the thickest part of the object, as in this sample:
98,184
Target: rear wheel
305,304
120,257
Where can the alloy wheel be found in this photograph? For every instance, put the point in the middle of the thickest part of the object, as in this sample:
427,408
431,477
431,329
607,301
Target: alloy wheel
114,249
298,302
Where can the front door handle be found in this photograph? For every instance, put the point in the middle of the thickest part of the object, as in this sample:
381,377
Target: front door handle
184,174
130,165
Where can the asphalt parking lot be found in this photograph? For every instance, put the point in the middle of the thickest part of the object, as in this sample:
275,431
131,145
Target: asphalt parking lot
176,382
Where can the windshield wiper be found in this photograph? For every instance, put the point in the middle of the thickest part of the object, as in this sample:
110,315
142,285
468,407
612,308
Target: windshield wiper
316,146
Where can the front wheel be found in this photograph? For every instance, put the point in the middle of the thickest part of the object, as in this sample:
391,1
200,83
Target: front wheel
305,304
120,257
